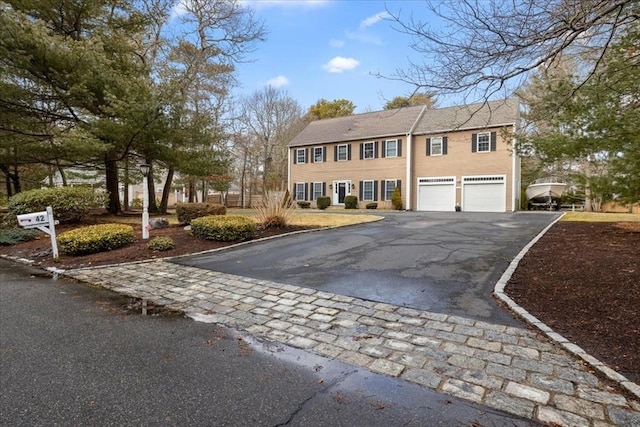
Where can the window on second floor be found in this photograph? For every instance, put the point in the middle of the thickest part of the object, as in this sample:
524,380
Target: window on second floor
484,142
318,155
436,146
301,155
342,152
368,150
391,148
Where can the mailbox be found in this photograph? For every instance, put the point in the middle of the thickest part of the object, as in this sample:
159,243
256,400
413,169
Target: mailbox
33,220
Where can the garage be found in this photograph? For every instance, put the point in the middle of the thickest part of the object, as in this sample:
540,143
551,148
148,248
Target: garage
437,194
484,193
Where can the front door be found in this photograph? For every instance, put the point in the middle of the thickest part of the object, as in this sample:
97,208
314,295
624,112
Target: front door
340,190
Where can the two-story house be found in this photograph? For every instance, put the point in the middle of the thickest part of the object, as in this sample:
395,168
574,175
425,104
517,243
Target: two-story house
440,158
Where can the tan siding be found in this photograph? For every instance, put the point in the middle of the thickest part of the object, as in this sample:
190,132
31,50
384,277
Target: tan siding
355,170
461,161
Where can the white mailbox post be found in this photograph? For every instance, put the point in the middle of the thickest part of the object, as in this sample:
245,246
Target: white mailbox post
44,222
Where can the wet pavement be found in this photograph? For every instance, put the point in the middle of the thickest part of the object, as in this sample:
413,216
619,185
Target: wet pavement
455,340
505,368
441,262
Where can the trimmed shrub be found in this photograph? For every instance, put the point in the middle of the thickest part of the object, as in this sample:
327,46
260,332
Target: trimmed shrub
396,199
223,228
186,212
373,205
323,202
350,202
303,204
13,236
274,211
70,204
95,238
161,243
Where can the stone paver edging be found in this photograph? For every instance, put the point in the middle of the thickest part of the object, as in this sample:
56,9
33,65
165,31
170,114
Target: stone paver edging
576,350
510,369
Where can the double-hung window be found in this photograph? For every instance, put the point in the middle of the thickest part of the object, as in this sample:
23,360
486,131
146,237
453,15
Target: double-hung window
300,187
342,152
367,190
484,142
389,188
368,151
436,146
301,155
317,191
391,148
318,154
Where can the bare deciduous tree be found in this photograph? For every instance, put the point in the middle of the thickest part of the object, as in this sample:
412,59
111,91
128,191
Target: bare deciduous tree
488,47
272,119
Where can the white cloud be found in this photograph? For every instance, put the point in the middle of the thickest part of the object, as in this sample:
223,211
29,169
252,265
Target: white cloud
178,9
262,4
340,64
336,43
374,19
277,82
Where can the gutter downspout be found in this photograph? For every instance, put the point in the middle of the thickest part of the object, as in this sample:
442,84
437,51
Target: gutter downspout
289,169
409,169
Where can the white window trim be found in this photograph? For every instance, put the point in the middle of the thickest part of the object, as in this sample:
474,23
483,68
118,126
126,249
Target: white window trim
313,190
304,155
386,183
346,152
321,154
296,190
386,148
364,150
435,140
488,150
364,194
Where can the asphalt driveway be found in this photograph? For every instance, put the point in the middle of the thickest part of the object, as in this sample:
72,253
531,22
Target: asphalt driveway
440,262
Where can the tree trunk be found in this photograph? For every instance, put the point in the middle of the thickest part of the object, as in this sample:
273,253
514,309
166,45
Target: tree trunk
164,203
111,175
151,188
192,191
127,203
204,193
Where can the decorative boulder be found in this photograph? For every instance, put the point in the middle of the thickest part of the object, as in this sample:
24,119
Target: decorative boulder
159,222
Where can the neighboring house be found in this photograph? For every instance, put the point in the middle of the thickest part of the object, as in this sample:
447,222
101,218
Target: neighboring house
439,158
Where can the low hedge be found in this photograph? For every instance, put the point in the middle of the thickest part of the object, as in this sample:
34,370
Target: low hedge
13,236
70,204
186,212
323,202
95,238
372,205
161,243
302,204
223,228
350,202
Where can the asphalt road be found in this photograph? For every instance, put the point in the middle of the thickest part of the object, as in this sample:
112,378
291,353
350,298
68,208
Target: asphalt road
75,355
442,262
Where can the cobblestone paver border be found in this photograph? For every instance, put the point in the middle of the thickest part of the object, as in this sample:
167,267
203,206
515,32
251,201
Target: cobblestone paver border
510,369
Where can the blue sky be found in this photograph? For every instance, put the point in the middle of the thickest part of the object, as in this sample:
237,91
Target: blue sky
331,49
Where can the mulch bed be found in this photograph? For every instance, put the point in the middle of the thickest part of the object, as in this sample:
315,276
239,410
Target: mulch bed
583,280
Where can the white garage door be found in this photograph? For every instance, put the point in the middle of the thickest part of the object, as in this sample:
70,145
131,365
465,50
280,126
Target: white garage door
437,194
484,193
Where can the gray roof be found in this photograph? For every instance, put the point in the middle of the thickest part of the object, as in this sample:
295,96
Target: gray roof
401,121
472,116
377,124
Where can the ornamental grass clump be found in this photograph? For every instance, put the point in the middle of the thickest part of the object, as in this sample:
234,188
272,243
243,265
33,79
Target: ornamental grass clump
274,211
95,238
223,228
161,243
